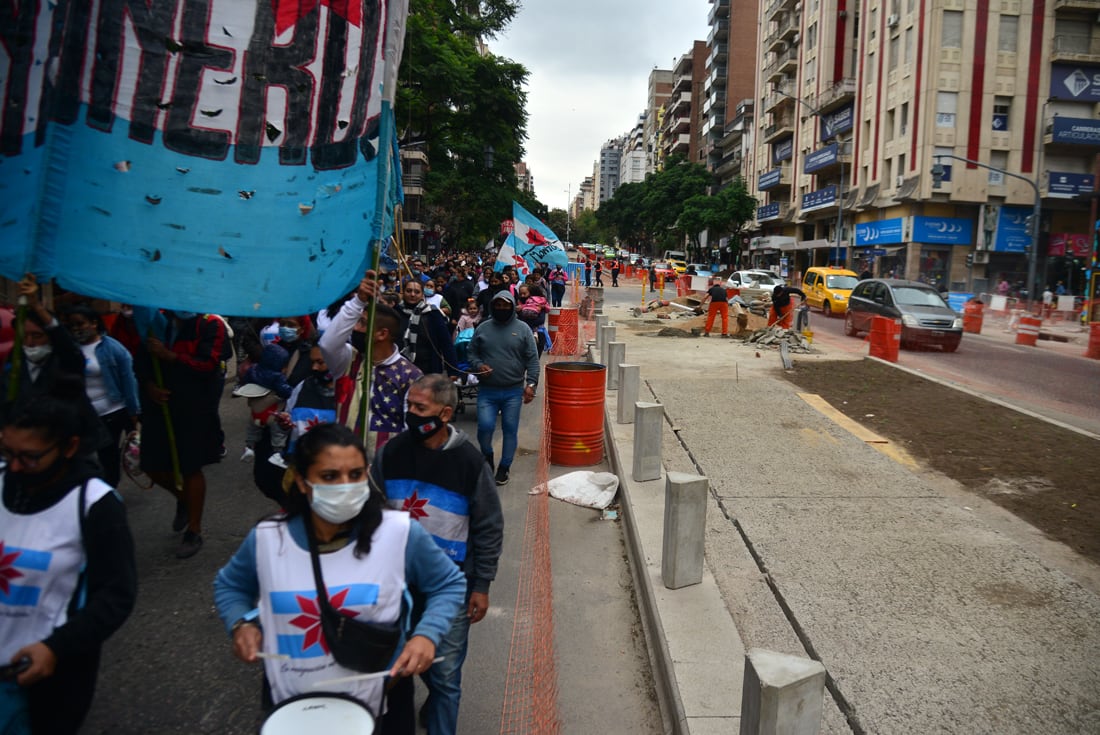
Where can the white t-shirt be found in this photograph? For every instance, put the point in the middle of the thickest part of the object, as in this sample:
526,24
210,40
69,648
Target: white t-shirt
94,385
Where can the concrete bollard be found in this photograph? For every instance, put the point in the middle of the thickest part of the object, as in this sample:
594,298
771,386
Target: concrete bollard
647,441
616,354
601,321
782,694
607,335
630,382
685,526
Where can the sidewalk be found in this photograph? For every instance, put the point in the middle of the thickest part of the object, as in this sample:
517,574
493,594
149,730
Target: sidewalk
932,609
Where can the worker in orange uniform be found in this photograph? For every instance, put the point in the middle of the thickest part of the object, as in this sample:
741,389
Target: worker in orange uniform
782,306
716,295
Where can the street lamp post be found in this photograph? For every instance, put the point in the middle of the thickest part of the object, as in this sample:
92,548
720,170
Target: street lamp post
840,186
1033,228
568,206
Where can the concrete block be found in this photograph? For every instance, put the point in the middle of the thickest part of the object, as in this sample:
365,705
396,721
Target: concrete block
601,322
607,334
616,354
648,425
630,382
783,694
685,525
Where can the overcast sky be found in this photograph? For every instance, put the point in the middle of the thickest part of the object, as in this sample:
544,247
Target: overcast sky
590,62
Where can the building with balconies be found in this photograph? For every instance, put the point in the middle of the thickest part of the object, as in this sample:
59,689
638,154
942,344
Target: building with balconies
681,128
660,89
414,171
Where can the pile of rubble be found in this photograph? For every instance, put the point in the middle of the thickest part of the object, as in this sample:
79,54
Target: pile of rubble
761,305
772,337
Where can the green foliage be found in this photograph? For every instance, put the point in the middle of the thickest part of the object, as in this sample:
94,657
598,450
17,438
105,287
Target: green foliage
469,109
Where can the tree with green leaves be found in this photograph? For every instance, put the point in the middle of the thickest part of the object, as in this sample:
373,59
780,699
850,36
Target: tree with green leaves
468,110
722,214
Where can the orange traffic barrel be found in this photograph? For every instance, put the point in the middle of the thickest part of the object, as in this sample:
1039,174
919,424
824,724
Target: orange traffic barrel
885,338
1027,333
562,326
1093,349
972,317
575,394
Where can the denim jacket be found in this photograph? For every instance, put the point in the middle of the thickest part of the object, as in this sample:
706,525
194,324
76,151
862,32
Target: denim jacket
118,373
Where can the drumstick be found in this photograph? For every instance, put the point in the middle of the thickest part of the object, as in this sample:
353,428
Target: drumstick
359,677
276,656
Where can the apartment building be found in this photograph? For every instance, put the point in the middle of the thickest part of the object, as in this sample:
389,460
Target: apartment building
660,89
414,168
525,180
682,124
861,99
607,170
632,163
730,89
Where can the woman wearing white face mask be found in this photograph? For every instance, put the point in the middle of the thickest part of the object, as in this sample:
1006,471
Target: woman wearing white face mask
367,557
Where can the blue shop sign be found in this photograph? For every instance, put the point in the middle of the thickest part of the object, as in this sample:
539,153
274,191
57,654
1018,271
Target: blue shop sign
942,230
783,150
768,179
839,121
1075,82
1076,130
1067,185
1012,235
820,158
767,212
883,232
957,300
819,199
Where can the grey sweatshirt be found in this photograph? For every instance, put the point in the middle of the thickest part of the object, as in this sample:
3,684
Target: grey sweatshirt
507,347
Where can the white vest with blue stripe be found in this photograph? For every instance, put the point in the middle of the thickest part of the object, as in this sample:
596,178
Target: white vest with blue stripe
41,561
372,587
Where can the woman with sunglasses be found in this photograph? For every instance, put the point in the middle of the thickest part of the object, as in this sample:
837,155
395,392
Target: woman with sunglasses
67,573
267,595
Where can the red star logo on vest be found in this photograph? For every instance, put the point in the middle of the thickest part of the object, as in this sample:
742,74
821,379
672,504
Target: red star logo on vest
310,619
7,572
289,12
414,504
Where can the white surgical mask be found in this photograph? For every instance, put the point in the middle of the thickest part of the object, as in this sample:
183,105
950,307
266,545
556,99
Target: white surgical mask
37,353
341,502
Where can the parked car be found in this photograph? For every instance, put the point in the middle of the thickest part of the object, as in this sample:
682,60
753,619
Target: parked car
679,266
754,279
701,269
828,289
664,268
926,319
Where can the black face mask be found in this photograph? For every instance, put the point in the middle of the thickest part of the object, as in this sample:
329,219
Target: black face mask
502,315
423,427
359,342
322,376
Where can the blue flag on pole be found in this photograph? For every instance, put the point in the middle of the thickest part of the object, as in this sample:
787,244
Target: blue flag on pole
235,156
534,241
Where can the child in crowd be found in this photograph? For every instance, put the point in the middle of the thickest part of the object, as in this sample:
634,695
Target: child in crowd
266,388
469,318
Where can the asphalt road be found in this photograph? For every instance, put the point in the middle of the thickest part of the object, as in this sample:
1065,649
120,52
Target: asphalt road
1065,387
169,669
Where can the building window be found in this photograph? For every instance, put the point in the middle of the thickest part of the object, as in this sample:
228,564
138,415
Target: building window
909,45
997,159
901,165
1006,37
889,127
904,118
1002,109
1072,36
889,174
952,29
893,60
811,37
947,104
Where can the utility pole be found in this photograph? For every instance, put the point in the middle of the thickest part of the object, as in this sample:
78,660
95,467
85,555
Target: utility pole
568,206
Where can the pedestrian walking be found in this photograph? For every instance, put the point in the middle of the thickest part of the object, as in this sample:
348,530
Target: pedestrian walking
436,474
335,539
716,296
652,278
426,340
599,273
559,279
616,267
67,543
587,272
503,356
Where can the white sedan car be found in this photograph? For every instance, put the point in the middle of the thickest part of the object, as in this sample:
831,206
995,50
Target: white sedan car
754,279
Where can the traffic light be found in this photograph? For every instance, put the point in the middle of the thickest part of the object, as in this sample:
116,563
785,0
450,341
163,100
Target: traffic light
1030,224
970,260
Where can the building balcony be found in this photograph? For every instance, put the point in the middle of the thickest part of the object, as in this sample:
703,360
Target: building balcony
730,164
719,31
716,78
1090,6
773,41
682,84
837,94
777,178
783,126
776,100
718,55
413,185
788,60
1077,48
777,6
718,9
680,102
788,26
679,124
680,144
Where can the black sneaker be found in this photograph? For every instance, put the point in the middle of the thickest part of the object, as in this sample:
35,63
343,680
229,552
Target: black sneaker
502,475
179,521
189,546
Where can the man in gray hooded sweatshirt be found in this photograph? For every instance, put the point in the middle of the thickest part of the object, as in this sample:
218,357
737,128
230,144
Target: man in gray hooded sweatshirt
503,356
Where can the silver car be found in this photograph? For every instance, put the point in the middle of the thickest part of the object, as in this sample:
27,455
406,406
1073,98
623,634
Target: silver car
926,319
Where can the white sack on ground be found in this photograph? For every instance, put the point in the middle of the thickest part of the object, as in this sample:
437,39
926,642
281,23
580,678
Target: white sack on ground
590,489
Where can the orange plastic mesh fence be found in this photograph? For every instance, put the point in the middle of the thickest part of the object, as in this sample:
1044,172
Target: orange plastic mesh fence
531,685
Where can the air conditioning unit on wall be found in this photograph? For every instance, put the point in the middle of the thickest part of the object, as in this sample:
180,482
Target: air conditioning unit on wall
893,20
981,257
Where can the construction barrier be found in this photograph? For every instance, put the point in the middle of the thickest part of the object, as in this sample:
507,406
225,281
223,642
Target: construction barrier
562,326
1093,350
885,338
972,317
575,396
1027,332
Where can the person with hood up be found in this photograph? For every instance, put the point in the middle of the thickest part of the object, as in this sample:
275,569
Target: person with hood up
503,356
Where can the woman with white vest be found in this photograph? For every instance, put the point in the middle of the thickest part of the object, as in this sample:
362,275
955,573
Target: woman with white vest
67,574
268,593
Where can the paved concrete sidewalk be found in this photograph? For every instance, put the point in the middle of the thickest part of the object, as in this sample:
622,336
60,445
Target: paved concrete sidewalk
932,609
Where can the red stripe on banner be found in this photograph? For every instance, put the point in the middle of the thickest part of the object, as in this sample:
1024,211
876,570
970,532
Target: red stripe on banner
1033,109
878,91
977,84
915,125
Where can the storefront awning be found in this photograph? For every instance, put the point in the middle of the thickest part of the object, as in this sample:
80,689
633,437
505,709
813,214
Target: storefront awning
907,189
869,195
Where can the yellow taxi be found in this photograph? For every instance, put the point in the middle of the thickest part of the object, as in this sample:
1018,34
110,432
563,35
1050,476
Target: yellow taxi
828,289
679,266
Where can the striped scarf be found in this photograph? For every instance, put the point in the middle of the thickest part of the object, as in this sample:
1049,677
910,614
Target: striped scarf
414,312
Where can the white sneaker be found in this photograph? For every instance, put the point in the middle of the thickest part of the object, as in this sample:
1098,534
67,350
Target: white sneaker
248,455
277,460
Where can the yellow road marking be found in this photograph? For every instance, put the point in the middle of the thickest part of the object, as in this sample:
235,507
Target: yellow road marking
860,431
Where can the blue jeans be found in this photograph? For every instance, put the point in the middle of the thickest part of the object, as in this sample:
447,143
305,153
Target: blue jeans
506,402
444,679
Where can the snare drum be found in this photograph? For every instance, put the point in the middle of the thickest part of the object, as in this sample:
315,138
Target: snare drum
329,713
